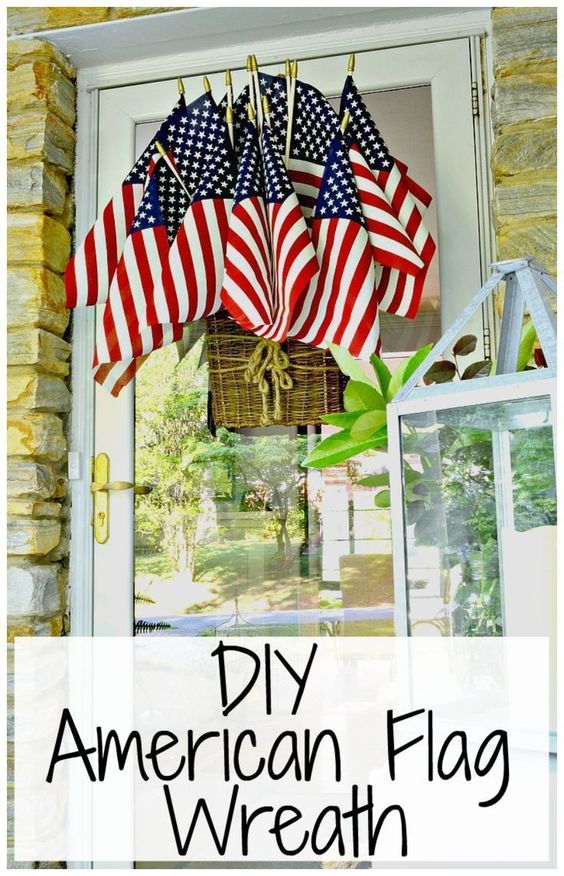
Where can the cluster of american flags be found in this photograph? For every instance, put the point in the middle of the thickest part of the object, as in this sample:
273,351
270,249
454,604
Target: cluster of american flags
307,237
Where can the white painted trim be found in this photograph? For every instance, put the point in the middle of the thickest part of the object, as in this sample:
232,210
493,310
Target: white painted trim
181,42
483,139
81,425
367,38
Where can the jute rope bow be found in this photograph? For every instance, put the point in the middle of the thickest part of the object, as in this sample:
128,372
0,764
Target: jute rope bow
268,356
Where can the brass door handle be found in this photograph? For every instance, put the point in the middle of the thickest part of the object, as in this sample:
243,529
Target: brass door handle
139,490
101,487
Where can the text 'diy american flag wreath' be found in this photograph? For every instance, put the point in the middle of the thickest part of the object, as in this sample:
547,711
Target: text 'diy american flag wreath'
292,217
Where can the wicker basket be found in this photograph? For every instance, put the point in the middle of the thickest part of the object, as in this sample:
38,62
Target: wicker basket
257,383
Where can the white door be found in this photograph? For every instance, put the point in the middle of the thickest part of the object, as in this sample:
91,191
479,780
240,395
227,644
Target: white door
421,98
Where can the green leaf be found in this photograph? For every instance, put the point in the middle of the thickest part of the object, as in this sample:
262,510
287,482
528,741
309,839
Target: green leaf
477,369
378,480
465,345
410,474
528,338
382,372
382,499
349,365
440,372
367,424
343,420
402,374
340,447
362,397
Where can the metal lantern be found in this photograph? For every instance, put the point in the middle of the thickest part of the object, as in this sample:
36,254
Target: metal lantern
472,480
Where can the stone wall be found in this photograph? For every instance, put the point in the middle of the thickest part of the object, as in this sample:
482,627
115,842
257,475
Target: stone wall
41,114
524,120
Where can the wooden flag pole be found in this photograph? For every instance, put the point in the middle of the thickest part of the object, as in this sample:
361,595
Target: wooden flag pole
229,110
291,102
251,114
257,90
266,110
251,87
163,153
229,88
230,125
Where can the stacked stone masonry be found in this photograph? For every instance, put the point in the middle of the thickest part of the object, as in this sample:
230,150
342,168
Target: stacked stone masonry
524,119
41,115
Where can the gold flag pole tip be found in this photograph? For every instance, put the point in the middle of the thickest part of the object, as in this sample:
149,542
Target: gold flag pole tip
228,80
229,115
181,89
207,86
249,63
346,120
287,67
160,148
265,105
294,69
351,62
251,112
254,64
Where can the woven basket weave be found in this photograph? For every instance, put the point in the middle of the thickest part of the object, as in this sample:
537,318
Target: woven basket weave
316,389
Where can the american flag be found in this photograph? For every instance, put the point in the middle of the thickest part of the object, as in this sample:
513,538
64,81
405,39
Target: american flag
294,262
129,325
341,304
192,277
90,270
121,335
381,179
314,127
246,292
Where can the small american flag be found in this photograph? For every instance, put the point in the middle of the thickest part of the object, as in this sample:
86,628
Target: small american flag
121,335
89,272
294,262
340,305
314,127
246,292
192,277
129,325
381,179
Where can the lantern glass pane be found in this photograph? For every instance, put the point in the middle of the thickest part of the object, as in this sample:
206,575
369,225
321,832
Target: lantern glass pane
479,491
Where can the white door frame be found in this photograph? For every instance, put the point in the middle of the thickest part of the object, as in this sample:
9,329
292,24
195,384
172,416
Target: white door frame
475,27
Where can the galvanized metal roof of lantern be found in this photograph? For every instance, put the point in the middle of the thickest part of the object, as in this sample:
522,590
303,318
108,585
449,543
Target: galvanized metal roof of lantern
530,288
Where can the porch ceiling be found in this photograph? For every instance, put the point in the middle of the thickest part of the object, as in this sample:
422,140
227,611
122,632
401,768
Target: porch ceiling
192,30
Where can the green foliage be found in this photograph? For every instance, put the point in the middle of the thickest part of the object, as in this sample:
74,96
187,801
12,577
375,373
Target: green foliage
363,423
528,338
341,446
402,374
362,397
382,372
368,424
348,364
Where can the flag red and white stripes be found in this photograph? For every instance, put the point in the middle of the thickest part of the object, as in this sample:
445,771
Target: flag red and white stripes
90,270
341,304
247,290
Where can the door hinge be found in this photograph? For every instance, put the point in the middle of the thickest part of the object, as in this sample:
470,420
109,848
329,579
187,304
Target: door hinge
475,100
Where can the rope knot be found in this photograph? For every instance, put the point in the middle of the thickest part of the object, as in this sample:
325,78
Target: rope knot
268,356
